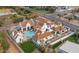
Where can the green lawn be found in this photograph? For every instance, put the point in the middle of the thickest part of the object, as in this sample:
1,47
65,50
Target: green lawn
55,45
27,47
73,39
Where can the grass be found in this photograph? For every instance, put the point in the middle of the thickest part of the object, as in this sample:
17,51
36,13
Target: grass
73,39
27,47
55,45
43,11
3,42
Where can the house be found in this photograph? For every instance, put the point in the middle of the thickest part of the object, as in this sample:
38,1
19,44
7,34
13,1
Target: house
25,25
47,29
62,10
18,36
41,38
43,29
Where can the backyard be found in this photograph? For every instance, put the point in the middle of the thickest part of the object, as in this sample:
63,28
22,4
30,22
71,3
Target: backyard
27,47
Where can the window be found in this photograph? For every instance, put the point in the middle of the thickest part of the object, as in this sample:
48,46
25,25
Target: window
27,28
20,40
31,27
63,31
58,32
46,29
24,29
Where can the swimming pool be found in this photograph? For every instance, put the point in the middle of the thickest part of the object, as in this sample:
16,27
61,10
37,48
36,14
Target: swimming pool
29,34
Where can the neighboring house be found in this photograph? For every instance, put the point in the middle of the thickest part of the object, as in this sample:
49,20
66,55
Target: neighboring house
64,8
61,10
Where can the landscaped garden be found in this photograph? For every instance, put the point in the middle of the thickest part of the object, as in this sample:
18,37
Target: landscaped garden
74,38
27,47
3,43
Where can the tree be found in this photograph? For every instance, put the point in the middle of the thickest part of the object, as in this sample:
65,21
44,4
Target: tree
32,15
59,15
16,18
69,18
52,9
77,10
1,23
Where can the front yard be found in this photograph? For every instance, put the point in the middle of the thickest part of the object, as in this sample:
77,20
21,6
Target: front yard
27,47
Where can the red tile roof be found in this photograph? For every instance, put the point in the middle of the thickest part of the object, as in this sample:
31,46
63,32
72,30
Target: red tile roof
58,28
25,22
40,36
38,23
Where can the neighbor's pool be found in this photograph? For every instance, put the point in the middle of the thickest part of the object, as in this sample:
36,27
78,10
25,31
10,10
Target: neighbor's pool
29,34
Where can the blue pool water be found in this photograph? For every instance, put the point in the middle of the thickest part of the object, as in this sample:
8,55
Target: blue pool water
29,34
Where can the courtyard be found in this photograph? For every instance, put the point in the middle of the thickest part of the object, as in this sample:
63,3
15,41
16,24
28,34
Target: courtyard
27,46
